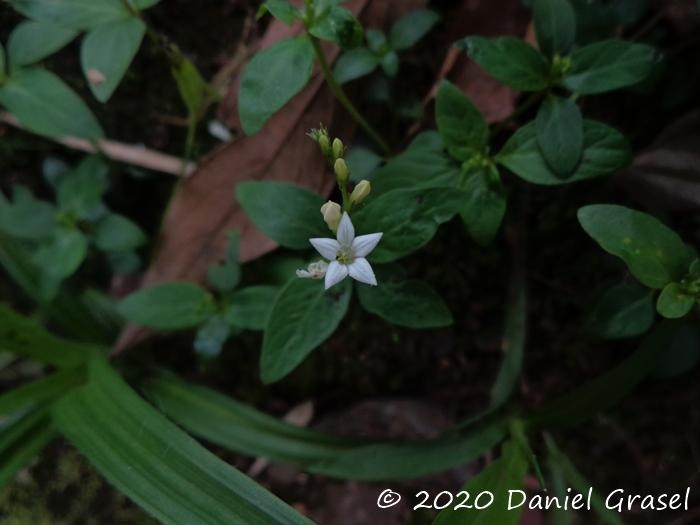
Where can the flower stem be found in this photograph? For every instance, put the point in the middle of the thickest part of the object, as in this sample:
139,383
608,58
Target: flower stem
340,95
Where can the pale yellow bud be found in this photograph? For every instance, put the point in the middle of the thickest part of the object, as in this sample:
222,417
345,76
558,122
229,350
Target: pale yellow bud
360,192
325,143
341,171
332,213
338,148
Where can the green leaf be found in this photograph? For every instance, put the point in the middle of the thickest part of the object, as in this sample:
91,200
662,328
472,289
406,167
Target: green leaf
271,79
303,316
116,233
80,191
225,277
168,306
412,27
124,263
408,218
376,41
250,307
555,26
194,90
390,64
338,25
32,41
354,64
608,65
107,51
288,214
509,60
503,475
605,150
484,205
21,439
154,463
26,217
559,127
412,303
680,352
211,336
143,4
363,162
282,10
623,310
654,253
73,14
673,302
40,391
45,105
62,255
460,123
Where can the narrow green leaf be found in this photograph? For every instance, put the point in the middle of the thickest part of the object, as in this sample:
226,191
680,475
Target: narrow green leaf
74,14
157,465
107,51
622,310
26,217
609,65
21,440
509,60
168,306
116,233
32,41
484,205
304,316
250,307
412,303
555,26
194,90
271,79
653,252
605,150
40,391
674,302
354,64
559,127
412,27
460,123
288,214
47,106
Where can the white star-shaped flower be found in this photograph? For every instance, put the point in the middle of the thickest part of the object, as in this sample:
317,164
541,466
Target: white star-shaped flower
347,254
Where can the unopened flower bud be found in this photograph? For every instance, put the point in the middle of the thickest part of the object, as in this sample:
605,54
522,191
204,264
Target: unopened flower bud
332,213
360,192
341,171
338,149
325,143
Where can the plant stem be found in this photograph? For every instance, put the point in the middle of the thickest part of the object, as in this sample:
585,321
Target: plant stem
340,95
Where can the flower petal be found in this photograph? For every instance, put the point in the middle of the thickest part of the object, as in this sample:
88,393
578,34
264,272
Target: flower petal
336,272
346,231
328,248
364,244
360,270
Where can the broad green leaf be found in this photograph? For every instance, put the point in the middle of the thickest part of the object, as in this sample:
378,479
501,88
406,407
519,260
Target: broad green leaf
559,127
45,105
623,310
21,440
74,14
608,65
363,162
460,123
157,465
484,205
338,25
32,41
412,303
555,26
673,302
680,353
281,9
376,41
25,338
390,64
40,391
116,233
288,214
211,336
653,252
503,475
354,64
250,307
241,428
26,217
80,191
62,255
303,316
509,60
168,306
605,150
408,218
107,51
412,27
271,79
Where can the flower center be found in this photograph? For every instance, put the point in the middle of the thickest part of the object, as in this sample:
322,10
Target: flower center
345,255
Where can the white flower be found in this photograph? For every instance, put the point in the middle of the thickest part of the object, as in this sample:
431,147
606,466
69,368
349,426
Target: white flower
347,254
315,270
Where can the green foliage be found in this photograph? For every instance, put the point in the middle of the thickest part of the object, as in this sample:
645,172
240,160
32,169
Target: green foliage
559,128
26,217
116,233
674,302
281,9
211,336
408,30
303,316
460,124
79,192
484,205
555,26
336,24
250,307
354,64
73,14
622,310
226,276
32,41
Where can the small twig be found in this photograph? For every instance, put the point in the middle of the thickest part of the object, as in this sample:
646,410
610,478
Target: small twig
120,152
